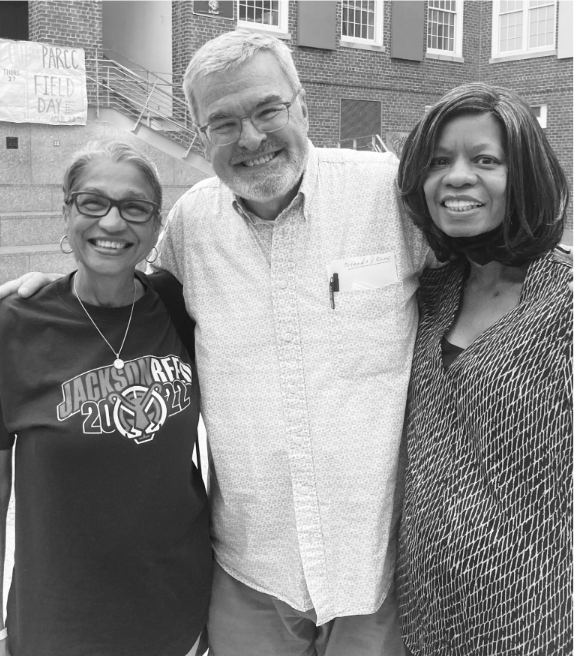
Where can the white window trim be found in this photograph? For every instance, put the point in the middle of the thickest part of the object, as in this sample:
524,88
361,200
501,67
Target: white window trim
542,119
541,51
379,24
458,24
280,30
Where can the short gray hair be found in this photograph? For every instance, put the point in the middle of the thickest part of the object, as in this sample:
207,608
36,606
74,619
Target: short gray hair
230,51
115,151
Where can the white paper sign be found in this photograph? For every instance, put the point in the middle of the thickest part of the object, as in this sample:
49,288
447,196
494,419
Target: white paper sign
366,272
41,83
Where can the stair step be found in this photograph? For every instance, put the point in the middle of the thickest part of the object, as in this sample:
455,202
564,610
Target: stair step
30,228
17,260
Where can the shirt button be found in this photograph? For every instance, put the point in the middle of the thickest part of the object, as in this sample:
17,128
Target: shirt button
287,337
282,284
298,440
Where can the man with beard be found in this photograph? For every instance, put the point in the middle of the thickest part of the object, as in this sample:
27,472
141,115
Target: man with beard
303,386
301,276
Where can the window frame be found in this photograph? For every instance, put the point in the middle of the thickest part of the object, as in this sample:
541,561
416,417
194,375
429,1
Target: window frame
543,118
526,50
280,30
379,29
458,29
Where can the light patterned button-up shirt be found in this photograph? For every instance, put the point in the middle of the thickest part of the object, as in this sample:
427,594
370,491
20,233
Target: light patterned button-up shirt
303,403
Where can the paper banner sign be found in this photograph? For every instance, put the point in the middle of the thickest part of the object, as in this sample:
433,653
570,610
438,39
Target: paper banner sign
42,83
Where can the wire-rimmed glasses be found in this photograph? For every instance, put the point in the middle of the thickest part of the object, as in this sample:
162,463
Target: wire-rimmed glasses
268,118
96,206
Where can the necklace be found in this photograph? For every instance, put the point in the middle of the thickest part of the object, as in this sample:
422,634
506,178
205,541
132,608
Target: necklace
118,362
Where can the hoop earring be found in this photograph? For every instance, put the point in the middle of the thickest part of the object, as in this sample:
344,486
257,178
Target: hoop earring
155,258
62,246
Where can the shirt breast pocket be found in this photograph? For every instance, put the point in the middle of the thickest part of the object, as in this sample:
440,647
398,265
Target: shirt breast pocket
366,329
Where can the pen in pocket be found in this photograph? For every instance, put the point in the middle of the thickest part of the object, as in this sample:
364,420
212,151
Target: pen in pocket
333,287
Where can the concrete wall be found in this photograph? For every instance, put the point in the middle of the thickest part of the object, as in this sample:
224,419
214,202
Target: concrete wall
140,31
31,177
31,190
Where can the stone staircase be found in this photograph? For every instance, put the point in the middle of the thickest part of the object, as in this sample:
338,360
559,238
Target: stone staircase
147,114
31,222
29,242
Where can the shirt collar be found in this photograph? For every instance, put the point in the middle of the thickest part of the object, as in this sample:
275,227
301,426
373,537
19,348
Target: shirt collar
308,185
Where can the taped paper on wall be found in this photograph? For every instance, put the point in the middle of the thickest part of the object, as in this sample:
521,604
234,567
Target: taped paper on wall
41,83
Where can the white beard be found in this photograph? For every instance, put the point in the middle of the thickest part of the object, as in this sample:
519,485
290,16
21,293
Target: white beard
271,184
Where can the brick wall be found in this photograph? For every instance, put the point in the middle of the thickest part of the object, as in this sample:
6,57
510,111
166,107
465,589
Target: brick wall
541,80
403,87
68,23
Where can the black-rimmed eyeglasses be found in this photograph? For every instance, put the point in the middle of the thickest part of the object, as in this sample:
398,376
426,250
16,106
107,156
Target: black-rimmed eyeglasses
267,118
95,206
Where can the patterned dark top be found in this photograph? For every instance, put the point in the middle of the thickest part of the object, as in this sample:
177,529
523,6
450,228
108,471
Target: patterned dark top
485,559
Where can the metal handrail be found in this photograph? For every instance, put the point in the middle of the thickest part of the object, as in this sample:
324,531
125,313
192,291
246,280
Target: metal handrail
367,142
114,55
155,104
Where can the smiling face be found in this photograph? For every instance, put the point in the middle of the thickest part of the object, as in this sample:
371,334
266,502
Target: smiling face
110,246
465,189
261,167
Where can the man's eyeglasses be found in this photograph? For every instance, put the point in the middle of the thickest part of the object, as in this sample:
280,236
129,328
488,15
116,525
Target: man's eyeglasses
95,206
267,118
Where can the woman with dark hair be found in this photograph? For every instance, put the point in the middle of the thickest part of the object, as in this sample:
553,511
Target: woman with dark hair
113,556
485,558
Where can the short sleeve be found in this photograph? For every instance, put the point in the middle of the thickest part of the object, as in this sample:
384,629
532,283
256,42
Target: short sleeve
421,253
170,244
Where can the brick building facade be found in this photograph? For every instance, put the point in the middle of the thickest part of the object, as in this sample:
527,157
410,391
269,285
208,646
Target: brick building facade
402,87
348,78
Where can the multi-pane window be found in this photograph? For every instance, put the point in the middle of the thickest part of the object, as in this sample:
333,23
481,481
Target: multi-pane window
541,24
523,26
444,27
362,21
269,14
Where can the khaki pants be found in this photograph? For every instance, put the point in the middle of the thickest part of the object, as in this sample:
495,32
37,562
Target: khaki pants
245,622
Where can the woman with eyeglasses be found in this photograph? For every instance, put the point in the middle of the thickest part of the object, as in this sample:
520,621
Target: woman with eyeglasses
101,400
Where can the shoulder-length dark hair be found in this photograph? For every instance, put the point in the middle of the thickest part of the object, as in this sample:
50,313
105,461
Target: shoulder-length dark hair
537,190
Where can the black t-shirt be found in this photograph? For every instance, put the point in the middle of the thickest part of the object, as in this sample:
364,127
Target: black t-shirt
112,540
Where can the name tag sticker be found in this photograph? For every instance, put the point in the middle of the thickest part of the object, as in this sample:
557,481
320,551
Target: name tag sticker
366,272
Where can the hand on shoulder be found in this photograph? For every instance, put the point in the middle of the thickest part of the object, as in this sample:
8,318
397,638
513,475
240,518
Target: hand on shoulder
27,285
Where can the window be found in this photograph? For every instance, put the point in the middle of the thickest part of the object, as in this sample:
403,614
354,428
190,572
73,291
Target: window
523,27
268,15
362,22
359,118
444,28
540,112
14,20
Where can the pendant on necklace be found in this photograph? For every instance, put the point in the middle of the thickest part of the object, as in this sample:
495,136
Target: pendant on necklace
119,363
